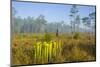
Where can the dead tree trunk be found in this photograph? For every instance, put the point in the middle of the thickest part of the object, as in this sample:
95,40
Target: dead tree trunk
57,33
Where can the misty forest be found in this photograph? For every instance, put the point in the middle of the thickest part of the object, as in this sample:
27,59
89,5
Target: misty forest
35,40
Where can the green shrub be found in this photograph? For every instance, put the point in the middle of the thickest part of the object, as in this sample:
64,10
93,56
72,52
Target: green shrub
76,35
47,37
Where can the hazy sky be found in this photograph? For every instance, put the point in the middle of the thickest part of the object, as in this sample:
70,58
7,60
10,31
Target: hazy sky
52,12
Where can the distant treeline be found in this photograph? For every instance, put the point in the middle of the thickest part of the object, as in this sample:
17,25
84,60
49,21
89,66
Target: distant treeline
40,25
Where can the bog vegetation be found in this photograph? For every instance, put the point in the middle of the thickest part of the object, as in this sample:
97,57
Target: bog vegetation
35,41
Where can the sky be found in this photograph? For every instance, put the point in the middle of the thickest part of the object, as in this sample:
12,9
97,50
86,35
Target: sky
52,12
